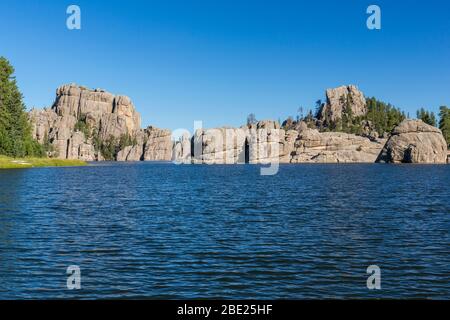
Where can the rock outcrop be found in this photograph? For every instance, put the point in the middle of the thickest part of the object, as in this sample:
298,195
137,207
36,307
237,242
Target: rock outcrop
414,141
151,144
265,142
257,143
312,146
340,100
182,149
97,125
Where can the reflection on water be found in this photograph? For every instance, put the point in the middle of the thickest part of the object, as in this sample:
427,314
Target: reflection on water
155,230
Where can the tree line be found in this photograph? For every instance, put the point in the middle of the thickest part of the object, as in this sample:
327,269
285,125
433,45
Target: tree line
431,119
427,117
444,123
15,129
381,117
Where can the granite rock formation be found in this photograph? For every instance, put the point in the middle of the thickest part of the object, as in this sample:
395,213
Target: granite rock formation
94,125
265,142
97,125
258,143
340,100
312,146
182,149
414,141
152,144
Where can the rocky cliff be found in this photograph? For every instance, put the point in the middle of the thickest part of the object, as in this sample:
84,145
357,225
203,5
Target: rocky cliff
258,143
97,125
344,99
265,142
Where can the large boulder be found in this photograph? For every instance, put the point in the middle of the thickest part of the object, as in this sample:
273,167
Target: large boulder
414,141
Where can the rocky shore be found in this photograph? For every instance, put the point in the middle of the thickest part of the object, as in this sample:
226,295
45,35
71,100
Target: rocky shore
95,125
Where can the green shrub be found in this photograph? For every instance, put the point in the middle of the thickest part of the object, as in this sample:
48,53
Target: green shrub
83,127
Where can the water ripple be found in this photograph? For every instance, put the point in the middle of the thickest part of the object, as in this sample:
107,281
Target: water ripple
156,230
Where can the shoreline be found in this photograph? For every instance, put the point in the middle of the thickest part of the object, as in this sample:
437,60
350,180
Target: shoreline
27,163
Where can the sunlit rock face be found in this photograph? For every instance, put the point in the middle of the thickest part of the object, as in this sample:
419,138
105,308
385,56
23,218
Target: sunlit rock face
341,98
83,123
312,146
414,141
265,142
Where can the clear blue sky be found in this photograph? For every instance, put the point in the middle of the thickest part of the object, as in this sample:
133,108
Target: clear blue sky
218,61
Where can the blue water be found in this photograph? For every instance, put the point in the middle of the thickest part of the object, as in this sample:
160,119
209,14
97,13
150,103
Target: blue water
157,230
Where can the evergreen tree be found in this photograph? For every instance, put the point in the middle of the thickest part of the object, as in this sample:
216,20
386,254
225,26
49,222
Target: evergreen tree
299,114
427,117
15,130
251,119
444,123
318,108
433,120
347,115
384,117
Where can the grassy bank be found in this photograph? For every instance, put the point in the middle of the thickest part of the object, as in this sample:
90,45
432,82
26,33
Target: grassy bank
11,163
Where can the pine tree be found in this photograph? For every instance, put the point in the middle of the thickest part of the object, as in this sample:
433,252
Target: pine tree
433,120
251,119
384,117
15,130
427,117
444,123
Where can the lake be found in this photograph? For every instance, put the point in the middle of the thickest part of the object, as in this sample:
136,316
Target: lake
158,230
